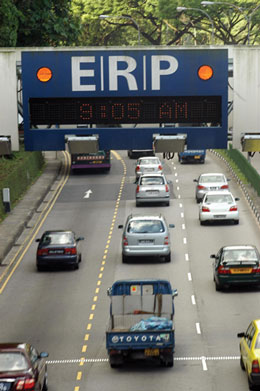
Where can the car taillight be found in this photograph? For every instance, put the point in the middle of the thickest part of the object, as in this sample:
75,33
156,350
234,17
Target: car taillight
223,270
233,209
159,167
42,251
205,209
125,242
167,188
200,187
255,366
224,187
256,270
137,188
70,251
137,168
166,240
25,384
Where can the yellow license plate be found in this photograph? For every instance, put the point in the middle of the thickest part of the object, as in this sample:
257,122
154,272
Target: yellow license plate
241,270
196,157
151,352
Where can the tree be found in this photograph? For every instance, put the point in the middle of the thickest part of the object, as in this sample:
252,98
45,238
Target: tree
46,23
8,23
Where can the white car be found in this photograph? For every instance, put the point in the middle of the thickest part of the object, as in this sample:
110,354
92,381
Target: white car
148,165
218,205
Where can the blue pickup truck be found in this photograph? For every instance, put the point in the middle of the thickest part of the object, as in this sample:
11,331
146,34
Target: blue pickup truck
192,156
141,322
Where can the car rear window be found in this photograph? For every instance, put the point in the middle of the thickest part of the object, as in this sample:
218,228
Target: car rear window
149,161
239,255
58,238
219,198
144,226
212,179
152,181
12,362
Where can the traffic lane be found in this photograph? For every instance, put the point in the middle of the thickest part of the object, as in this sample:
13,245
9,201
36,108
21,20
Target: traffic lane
53,308
220,313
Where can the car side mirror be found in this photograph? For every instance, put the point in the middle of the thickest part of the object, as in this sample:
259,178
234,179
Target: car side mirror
228,179
171,225
241,335
37,240
195,180
237,198
169,182
43,355
213,256
80,238
174,293
109,291
120,226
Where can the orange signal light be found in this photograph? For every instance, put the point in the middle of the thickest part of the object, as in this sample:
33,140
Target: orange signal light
205,72
44,74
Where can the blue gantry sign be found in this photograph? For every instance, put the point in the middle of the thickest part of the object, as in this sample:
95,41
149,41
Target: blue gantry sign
125,96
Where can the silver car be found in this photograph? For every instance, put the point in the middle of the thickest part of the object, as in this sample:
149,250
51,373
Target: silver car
152,188
146,236
210,182
147,165
218,205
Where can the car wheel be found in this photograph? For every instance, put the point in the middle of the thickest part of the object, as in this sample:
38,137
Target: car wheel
168,258
137,204
167,203
80,258
251,385
202,222
76,266
39,268
217,286
236,222
45,382
124,258
197,200
242,364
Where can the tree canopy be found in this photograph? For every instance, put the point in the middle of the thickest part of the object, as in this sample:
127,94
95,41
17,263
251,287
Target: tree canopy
128,22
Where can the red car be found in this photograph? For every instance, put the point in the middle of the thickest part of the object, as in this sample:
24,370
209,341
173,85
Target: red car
22,368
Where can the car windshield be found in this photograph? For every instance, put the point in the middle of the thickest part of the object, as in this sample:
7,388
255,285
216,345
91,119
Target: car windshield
149,161
239,255
211,179
12,361
152,181
144,226
218,198
58,238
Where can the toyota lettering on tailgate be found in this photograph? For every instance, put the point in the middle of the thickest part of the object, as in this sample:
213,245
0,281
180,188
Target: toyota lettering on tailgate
140,338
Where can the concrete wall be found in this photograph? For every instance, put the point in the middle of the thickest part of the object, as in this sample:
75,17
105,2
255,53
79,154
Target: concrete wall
8,98
246,95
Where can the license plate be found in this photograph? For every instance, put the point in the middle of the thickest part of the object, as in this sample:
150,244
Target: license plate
151,352
56,251
5,386
152,192
149,169
196,157
213,188
146,241
242,270
219,216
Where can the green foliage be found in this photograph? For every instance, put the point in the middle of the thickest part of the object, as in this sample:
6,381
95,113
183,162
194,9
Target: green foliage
8,23
18,173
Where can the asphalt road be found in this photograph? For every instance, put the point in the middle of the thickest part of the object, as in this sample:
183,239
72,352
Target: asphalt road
66,312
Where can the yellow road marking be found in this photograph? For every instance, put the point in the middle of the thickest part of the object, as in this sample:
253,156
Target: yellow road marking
79,375
84,348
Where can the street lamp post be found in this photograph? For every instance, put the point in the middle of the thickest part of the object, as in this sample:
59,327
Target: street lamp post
180,9
231,5
249,21
124,17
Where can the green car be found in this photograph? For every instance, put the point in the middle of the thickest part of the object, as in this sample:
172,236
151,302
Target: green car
236,265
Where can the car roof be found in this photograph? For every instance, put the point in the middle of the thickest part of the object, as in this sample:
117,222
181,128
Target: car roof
212,173
257,323
219,192
58,230
13,346
148,157
240,247
144,216
157,174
